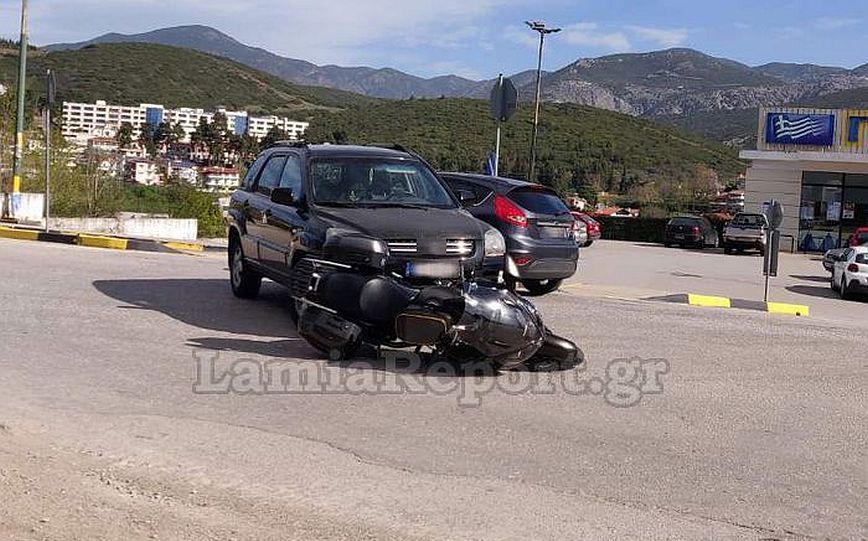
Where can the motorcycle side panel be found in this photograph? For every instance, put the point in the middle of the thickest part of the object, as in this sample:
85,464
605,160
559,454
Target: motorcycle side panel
328,332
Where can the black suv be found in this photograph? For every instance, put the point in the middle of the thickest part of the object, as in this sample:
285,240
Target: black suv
294,196
537,225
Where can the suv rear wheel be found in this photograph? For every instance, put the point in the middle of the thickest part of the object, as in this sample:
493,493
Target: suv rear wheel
541,287
245,281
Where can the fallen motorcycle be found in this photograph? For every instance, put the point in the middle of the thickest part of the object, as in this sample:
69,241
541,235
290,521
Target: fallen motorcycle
352,296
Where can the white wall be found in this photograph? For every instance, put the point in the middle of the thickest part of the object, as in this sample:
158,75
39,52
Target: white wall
144,228
25,207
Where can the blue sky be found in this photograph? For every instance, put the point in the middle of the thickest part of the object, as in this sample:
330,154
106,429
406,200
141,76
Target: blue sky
478,38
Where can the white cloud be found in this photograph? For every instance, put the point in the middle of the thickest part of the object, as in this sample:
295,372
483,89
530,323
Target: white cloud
335,31
604,38
590,35
662,37
832,23
521,35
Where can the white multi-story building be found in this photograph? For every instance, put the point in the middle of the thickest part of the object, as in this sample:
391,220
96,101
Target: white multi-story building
219,179
143,171
83,121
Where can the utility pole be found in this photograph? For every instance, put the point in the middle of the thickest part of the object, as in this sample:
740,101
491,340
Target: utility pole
537,26
497,140
50,89
22,88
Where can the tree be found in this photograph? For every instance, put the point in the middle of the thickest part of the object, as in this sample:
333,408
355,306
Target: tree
274,135
124,136
177,134
147,139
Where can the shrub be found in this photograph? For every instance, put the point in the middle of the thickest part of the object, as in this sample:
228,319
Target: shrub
633,229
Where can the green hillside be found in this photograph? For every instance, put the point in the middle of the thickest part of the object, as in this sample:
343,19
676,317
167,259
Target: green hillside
577,144
128,74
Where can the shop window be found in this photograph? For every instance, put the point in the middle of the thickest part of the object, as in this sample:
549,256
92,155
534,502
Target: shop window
822,178
860,181
854,212
820,218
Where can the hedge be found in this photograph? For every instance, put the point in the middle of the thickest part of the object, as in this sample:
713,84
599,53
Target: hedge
633,229
647,229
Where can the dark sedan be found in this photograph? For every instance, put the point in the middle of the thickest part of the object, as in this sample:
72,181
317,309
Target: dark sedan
692,231
537,226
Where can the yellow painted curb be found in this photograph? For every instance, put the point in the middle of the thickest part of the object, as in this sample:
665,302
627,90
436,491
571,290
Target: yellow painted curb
705,300
185,246
20,234
102,242
788,309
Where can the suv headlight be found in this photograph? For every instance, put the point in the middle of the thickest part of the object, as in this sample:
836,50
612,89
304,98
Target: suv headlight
495,246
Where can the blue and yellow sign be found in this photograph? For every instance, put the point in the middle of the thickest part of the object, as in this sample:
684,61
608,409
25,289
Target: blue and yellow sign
835,130
855,126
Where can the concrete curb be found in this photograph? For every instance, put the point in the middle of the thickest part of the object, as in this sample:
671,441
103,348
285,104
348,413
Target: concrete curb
743,304
100,241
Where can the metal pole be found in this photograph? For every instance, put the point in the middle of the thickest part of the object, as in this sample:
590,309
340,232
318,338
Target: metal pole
47,148
22,88
497,141
532,170
497,152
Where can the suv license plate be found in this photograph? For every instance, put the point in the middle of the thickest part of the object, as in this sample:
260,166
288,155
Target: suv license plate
433,269
554,232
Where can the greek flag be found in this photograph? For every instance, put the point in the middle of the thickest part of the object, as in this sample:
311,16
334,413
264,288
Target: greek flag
797,129
800,129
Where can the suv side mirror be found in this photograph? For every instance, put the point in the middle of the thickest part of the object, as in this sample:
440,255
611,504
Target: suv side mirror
283,196
465,197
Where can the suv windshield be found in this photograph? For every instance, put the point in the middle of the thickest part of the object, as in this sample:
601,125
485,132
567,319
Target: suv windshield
376,182
685,221
749,220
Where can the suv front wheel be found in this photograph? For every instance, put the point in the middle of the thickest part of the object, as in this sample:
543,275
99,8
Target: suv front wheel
244,280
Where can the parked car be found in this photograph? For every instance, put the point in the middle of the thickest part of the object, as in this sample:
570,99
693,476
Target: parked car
859,237
746,231
694,231
595,231
295,196
538,227
831,257
580,232
850,273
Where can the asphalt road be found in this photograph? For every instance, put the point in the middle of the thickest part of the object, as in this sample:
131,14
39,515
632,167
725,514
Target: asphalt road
723,424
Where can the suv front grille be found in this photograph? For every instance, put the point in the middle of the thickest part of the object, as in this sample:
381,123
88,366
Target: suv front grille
402,246
459,247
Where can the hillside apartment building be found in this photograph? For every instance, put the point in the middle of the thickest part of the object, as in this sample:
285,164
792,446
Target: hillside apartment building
83,121
94,126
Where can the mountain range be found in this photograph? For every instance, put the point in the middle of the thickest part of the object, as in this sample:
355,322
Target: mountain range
715,97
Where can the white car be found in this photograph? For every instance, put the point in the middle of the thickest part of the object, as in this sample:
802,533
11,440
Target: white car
850,272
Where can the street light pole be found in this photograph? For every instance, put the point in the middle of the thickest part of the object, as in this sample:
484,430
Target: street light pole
537,26
22,86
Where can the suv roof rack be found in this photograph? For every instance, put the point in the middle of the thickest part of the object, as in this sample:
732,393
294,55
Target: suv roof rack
289,143
391,146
